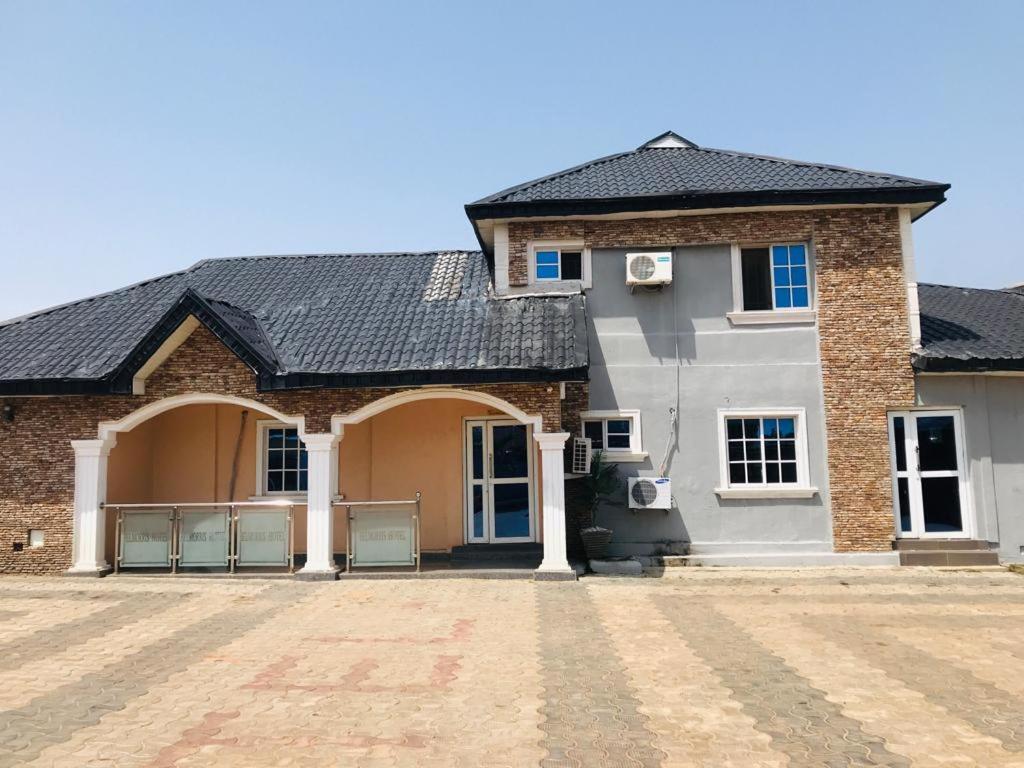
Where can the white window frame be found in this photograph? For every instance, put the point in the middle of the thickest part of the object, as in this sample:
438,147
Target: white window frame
263,426
635,452
801,489
558,245
793,315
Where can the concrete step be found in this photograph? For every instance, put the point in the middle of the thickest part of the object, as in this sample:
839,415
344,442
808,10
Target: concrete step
924,545
497,552
949,557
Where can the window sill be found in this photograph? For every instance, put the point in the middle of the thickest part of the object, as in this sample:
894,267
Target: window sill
773,317
625,457
766,493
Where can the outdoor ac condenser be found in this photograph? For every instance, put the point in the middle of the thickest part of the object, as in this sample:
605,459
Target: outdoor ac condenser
649,268
650,493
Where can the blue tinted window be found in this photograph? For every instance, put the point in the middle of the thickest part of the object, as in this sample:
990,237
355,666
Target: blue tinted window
787,428
789,273
547,257
547,272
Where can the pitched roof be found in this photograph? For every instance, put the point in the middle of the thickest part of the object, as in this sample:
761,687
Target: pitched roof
970,329
670,172
318,320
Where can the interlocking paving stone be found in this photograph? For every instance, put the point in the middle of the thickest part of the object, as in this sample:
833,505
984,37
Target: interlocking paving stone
59,637
591,714
50,719
800,720
990,709
715,668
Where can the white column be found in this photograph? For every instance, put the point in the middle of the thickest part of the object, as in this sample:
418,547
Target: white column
555,563
90,519
319,512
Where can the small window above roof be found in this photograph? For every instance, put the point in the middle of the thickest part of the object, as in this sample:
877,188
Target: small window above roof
561,262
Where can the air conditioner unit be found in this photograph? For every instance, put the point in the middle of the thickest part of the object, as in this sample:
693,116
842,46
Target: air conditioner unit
650,493
649,268
581,456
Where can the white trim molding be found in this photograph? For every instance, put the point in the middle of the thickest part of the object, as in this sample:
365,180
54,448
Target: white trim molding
171,343
801,489
773,317
431,393
910,276
108,429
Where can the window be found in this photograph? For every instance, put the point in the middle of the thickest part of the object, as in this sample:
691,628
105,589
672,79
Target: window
284,467
616,433
556,264
763,454
775,277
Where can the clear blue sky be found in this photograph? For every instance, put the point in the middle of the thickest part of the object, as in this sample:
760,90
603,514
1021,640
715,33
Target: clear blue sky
139,137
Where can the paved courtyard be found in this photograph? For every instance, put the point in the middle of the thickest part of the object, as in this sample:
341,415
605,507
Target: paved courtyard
703,668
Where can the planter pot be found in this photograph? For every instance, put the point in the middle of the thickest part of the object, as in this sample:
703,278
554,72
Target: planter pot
595,542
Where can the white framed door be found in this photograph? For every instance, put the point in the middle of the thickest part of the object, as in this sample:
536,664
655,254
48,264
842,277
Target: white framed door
499,482
930,493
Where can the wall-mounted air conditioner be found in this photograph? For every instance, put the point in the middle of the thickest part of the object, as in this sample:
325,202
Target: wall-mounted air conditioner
650,493
649,268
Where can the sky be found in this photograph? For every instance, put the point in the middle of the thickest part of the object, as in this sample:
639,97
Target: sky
137,138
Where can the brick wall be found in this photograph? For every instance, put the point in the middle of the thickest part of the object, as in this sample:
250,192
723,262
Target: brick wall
37,463
862,323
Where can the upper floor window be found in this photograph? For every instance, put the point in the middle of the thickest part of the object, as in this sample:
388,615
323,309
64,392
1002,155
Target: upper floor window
775,278
558,262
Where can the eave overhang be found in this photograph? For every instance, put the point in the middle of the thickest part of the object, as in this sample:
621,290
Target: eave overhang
925,364
933,194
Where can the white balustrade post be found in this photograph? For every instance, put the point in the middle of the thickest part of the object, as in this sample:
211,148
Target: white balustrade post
319,512
555,564
89,533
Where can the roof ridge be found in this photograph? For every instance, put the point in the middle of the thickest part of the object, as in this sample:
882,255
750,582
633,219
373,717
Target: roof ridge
327,255
68,304
808,164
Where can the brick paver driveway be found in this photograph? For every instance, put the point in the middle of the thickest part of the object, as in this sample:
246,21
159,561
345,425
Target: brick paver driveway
754,668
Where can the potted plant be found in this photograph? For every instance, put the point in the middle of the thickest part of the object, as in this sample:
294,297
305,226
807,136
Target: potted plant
602,482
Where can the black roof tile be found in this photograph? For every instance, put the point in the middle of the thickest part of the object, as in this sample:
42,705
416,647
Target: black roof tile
684,175
328,319
970,329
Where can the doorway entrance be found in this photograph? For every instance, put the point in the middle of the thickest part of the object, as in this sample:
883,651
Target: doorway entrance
929,475
499,482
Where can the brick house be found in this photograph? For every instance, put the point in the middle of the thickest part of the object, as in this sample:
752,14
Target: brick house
739,334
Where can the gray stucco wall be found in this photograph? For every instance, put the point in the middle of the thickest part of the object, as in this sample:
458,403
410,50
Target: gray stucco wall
993,417
675,348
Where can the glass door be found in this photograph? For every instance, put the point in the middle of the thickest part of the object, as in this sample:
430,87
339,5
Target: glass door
929,476
499,482
477,528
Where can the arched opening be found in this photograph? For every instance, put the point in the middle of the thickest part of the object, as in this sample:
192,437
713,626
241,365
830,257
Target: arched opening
475,458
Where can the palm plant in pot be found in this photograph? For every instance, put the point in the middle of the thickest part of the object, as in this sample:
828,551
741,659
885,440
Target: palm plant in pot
602,482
